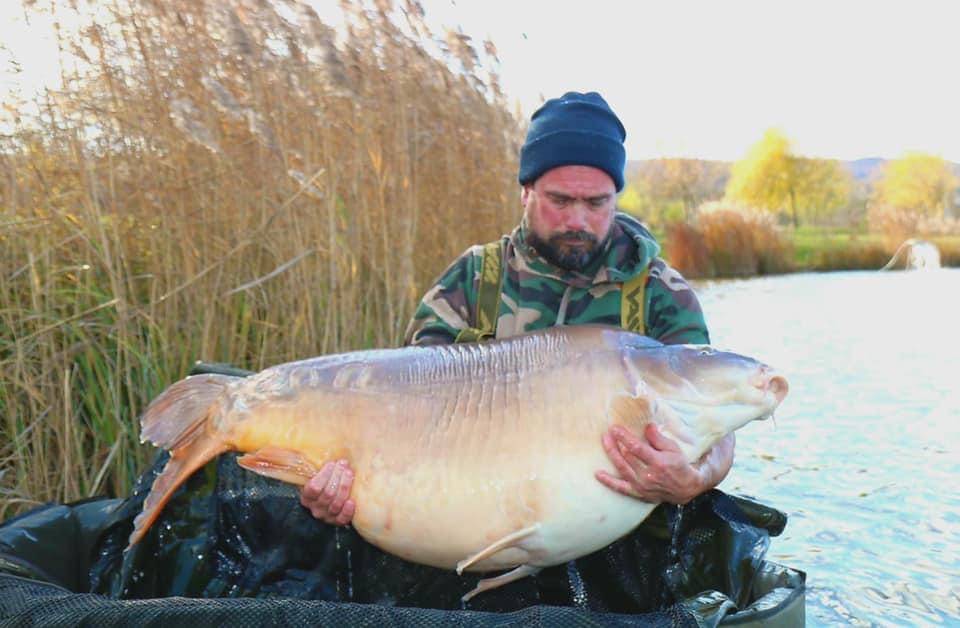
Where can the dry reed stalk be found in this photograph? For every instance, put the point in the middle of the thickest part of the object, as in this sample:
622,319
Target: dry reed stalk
282,195
687,251
728,241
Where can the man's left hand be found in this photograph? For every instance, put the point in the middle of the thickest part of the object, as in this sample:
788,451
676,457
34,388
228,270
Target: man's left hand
653,468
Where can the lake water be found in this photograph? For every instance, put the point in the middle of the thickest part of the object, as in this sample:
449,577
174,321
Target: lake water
864,454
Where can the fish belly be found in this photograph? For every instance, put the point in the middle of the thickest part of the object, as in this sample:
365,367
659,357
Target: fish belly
456,452
530,465
428,520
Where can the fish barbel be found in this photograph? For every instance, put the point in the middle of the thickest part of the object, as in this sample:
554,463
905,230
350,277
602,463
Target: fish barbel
472,457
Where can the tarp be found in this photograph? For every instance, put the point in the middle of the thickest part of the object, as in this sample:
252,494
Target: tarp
229,533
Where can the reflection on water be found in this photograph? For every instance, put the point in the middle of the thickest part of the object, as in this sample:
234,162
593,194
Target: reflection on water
864,454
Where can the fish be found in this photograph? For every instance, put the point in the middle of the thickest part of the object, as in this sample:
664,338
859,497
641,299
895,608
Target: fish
476,456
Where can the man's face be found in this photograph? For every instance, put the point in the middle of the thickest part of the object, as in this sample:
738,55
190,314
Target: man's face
570,213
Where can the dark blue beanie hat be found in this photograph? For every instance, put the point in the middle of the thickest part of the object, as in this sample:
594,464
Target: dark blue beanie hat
574,130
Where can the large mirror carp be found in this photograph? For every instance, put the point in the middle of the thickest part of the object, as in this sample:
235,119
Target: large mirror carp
475,457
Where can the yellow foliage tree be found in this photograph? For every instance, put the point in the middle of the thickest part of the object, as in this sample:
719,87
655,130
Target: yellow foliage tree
684,183
633,200
773,177
823,186
917,182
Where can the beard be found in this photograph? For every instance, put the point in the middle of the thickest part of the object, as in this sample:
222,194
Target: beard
559,251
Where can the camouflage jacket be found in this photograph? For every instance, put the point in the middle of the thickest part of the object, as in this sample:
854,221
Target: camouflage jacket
535,294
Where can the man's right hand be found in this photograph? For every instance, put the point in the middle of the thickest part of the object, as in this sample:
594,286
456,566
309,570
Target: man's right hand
327,494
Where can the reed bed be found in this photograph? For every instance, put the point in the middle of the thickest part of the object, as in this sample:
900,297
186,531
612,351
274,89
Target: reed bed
728,241
855,254
872,245
232,181
896,225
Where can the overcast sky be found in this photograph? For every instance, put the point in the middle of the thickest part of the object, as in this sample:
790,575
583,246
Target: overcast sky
843,78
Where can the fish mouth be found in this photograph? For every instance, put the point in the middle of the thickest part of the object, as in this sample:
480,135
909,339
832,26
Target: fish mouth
774,387
762,392
778,387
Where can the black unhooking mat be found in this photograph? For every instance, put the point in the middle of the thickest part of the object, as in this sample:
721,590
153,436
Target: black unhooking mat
233,547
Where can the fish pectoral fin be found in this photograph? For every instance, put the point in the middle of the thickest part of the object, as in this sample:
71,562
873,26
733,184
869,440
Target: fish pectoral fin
492,583
508,541
629,410
281,464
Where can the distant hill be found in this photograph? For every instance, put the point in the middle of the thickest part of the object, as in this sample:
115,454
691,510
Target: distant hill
869,169
866,170
682,184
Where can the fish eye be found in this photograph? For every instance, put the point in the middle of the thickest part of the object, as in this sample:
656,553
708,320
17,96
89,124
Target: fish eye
707,351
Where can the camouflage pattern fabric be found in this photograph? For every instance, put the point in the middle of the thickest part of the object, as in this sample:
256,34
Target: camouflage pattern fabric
537,294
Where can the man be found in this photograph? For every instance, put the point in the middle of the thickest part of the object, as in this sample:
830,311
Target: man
567,264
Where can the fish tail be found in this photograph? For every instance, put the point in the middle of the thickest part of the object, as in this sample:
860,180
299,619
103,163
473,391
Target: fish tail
181,421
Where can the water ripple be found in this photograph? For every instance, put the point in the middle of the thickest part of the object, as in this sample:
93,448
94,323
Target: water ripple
864,453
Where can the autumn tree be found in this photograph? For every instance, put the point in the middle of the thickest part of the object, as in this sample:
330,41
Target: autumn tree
918,183
823,186
772,176
668,189
634,199
689,181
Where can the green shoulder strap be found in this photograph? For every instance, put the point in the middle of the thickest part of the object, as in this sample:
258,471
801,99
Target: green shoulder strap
488,295
631,303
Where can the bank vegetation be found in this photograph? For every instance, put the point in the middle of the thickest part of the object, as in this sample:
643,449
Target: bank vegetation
231,181
246,181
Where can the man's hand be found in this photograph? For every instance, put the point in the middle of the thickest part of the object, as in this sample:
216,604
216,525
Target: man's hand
327,494
653,468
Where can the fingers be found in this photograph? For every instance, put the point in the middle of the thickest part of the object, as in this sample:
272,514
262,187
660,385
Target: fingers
313,489
660,442
634,445
346,515
635,479
650,467
330,491
343,491
651,495
615,483
617,458
326,495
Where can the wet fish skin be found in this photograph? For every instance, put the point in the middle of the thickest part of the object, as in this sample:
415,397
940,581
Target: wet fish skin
459,449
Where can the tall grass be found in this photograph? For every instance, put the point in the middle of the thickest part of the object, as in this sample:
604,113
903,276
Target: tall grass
896,225
728,241
827,249
227,181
